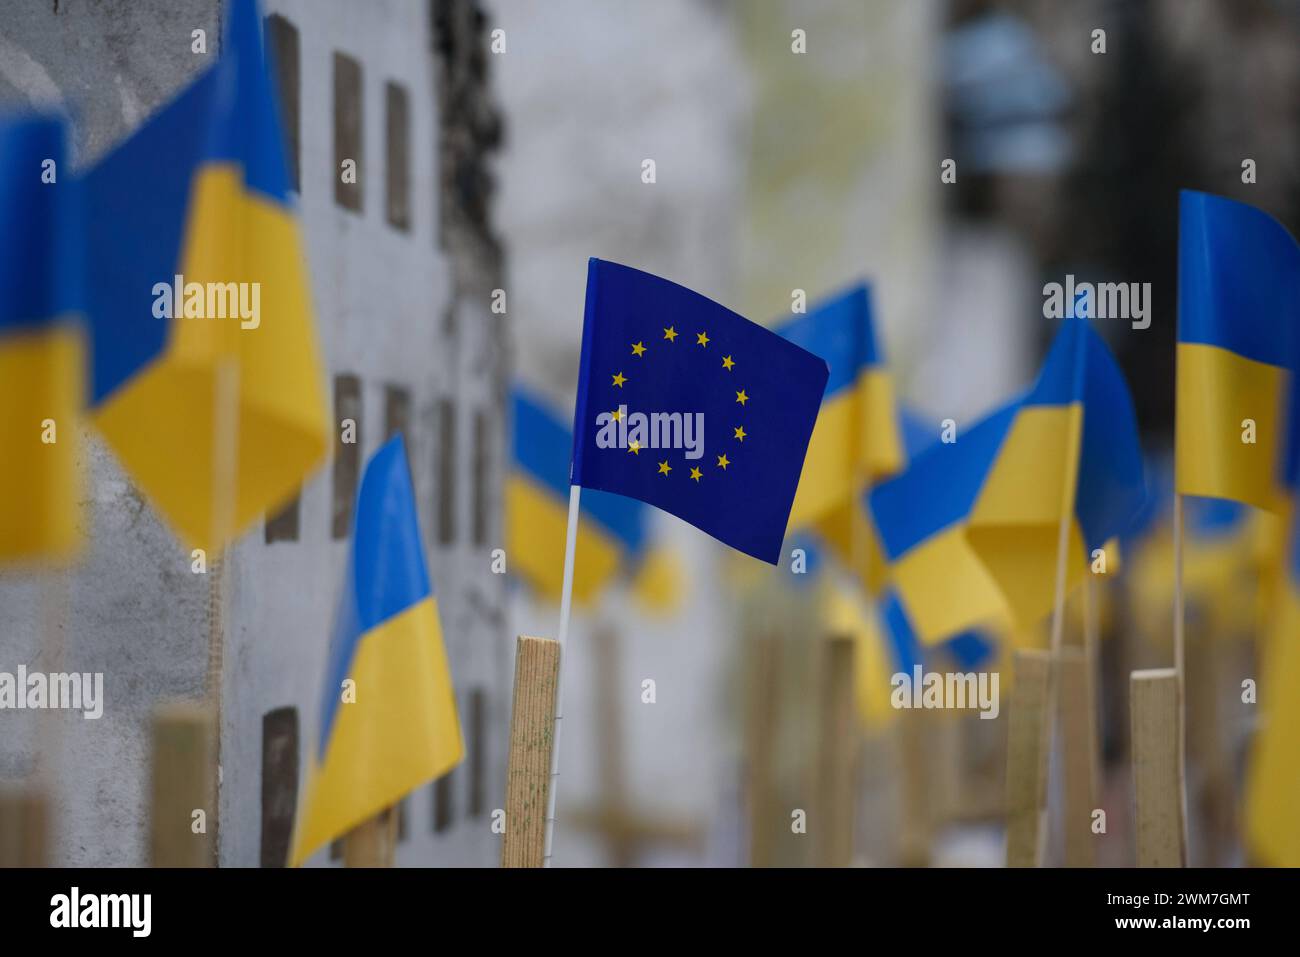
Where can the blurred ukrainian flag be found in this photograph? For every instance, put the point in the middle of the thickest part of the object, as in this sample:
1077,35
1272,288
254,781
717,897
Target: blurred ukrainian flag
612,532
856,438
400,728
218,420
42,356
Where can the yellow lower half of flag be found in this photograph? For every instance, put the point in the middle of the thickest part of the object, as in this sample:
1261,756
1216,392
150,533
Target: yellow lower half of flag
536,526
1015,525
830,475
945,588
1223,401
401,731
1273,781
42,376
850,531
227,423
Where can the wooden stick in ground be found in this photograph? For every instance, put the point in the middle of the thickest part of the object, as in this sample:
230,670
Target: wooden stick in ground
528,771
1078,746
1027,730
372,843
760,786
837,755
24,827
184,795
1156,780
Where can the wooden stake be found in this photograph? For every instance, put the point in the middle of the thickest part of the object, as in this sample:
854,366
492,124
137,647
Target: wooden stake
184,782
24,827
372,843
837,754
763,705
1153,706
1079,748
1027,731
528,771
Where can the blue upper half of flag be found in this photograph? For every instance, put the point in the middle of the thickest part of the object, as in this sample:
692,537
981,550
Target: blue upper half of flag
138,196
542,445
40,240
386,571
841,331
650,346
1238,279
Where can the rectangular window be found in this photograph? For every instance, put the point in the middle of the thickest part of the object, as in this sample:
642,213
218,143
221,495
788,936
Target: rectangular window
282,42
477,754
347,455
397,188
443,811
446,471
279,784
480,466
349,132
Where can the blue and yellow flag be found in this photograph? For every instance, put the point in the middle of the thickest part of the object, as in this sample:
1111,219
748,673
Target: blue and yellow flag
1273,780
42,357
1238,333
856,439
691,408
971,528
207,376
388,720
611,528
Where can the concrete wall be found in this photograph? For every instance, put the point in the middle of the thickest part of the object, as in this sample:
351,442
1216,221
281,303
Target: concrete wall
404,309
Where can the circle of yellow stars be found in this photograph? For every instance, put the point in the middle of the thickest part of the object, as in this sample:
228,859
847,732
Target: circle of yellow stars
638,351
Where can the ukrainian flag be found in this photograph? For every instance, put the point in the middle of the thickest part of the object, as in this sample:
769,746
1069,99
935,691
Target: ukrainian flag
207,375
1273,781
42,363
1238,315
855,441
611,528
971,528
399,727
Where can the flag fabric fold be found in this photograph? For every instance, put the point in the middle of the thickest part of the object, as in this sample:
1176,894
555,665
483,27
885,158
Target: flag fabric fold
1238,334
207,377
971,528
691,408
388,718
42,351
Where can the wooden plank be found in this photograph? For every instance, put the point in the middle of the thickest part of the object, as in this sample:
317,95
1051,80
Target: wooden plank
532,731
1156,782
1079,753
837,755
24,827
763,707
1027,757
372,843
917,825
184,778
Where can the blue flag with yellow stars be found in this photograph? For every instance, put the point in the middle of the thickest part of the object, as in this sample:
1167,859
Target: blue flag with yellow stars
692,408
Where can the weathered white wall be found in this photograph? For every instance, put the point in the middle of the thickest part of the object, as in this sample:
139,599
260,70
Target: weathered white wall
133,608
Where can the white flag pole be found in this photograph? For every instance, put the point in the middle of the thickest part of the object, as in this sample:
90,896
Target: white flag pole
566,602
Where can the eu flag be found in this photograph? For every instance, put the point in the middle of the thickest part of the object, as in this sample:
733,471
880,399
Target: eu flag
692,408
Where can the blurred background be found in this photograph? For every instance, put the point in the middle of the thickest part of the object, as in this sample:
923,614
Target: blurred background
798,146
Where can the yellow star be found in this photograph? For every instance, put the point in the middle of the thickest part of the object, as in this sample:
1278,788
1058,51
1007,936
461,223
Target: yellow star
664,467
619,380
702,338
634,448
696,474
670,333
638,348
741,397
617,414
727,363
740,432
723,462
